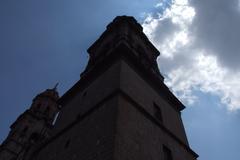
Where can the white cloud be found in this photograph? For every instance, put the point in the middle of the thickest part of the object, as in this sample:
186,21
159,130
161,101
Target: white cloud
160,4
181,15
207,76
189,67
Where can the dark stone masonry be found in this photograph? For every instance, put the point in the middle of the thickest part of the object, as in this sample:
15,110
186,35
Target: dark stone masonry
120,109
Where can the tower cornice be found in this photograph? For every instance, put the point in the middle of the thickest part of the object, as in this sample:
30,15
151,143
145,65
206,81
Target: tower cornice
124,29
123,52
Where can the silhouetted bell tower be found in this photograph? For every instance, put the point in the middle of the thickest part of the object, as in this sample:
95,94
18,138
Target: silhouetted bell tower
32,127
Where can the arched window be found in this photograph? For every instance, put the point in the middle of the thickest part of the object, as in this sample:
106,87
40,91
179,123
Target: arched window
25,129
38,105
158,112
47,109
34,137
167,153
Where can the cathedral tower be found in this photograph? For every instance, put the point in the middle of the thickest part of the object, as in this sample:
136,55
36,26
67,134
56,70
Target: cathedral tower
32,127
120,109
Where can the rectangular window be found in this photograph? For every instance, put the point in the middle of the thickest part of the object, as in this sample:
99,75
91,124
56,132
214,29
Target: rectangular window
158,112
167,154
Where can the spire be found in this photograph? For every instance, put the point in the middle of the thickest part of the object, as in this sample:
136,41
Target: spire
55,87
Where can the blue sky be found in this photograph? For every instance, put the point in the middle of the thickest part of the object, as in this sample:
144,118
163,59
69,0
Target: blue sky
45,42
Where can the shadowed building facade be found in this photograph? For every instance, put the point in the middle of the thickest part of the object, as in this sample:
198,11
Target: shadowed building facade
120,108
